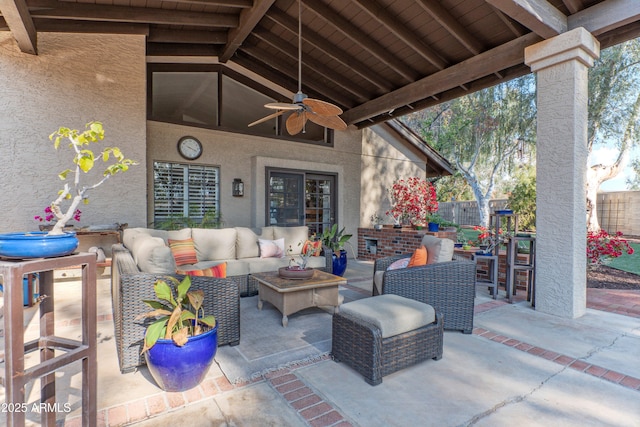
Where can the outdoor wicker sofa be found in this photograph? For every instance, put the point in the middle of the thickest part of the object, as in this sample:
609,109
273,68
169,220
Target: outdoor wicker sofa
450,287
129,287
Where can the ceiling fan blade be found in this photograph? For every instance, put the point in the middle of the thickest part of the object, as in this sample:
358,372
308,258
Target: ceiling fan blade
295,122
331,122
282,106
267,118
322,108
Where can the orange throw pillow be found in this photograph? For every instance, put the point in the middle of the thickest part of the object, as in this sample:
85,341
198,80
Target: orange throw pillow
219,271
419,257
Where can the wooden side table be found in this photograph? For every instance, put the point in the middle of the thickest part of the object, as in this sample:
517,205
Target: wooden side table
16,376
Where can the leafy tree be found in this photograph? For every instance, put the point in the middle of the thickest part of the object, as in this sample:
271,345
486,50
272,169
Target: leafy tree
522,198
634,182
482,134
614,108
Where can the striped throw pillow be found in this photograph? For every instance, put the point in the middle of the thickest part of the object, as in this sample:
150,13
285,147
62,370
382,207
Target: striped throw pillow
184,252
219,270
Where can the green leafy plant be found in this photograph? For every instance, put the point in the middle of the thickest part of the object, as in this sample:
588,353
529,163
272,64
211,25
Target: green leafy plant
84,160
210,219
179,313
522,200
334,239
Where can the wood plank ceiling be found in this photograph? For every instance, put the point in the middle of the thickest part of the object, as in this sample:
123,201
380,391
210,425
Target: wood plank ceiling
377,59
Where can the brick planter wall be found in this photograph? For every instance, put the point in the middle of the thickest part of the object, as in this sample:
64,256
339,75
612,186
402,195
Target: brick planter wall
392,241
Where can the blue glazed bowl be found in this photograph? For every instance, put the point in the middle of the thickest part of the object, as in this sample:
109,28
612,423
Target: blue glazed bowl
177,368
37,244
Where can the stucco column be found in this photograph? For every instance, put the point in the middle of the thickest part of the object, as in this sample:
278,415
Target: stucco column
561,65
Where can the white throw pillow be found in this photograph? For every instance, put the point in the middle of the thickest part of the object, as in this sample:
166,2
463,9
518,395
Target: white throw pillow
271,248
397,265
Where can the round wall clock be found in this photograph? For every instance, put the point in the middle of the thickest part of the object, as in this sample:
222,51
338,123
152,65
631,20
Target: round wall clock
189,147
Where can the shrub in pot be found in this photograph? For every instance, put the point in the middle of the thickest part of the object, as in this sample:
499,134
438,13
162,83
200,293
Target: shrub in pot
179,346
335,240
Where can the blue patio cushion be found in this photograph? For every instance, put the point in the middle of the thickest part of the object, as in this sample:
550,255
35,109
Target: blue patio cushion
392,314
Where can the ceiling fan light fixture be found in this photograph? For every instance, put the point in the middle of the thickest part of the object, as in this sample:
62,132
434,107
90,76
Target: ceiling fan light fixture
320,112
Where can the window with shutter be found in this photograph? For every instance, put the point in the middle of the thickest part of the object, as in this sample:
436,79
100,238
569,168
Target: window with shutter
186,191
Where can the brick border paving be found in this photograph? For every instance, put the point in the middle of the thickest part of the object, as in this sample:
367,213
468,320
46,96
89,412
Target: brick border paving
561,359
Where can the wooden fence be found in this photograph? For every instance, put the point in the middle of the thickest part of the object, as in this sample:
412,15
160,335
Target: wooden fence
617,211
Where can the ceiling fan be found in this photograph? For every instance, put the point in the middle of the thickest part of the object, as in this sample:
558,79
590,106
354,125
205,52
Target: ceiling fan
304,108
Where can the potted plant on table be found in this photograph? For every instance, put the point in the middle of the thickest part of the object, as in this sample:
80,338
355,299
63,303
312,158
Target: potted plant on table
180,345
58,242
335,240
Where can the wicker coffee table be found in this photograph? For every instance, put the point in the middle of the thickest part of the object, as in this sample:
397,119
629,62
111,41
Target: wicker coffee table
290,296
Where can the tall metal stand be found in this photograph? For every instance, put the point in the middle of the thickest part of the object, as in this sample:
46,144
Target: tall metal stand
16,375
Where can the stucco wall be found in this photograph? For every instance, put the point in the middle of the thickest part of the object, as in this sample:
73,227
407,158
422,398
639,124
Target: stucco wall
246,157
384,160
74,79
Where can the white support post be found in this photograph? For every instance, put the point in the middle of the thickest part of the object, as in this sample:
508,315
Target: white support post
561,65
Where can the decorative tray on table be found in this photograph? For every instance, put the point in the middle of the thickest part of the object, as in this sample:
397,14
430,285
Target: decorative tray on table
295,273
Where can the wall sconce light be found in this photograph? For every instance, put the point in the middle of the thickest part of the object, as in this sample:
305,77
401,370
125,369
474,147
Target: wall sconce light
237,188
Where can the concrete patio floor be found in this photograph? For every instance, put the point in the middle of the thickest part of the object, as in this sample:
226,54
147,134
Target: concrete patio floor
519,367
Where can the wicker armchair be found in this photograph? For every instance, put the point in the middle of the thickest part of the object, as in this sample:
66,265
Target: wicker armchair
450,287
129,287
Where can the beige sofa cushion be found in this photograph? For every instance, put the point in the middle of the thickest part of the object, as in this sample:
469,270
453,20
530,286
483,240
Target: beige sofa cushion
392,314
246,243
128,234
293,236
183,234
214,244
438,250
152,254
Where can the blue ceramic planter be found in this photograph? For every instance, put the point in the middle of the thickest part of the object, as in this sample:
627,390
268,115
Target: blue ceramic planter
37,244
339,263
177,368
433,227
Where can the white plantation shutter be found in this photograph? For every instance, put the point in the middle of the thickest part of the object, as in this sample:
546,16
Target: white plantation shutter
182,190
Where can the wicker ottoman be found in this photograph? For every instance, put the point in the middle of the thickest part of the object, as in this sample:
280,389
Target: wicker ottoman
383,334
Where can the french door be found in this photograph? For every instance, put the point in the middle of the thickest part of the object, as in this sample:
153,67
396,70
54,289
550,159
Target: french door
301,198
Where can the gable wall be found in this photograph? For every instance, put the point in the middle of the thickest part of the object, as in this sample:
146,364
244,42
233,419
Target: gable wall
73,80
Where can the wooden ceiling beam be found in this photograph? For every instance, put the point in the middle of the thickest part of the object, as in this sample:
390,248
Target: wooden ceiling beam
182,49
449,95
352,32
61,26
242,4
329,49
515,28
606,16
17,17
491,61
258,67
620,35
573,5
539,16
328,94
95,12
312,64
401,31
453,27
249,18
163,35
